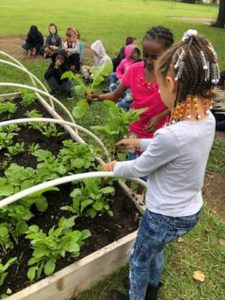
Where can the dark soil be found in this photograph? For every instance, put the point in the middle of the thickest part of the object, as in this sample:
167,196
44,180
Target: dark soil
32,136
104,228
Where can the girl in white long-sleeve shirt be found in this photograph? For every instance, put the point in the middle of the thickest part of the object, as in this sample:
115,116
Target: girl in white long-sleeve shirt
175,160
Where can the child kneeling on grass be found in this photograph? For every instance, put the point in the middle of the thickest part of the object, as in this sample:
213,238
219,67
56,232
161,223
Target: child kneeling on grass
53,75
34,42
53,42
175,160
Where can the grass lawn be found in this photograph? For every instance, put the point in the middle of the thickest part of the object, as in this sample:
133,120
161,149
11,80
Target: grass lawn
111,21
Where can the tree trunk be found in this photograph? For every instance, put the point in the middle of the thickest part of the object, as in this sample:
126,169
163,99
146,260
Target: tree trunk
220,22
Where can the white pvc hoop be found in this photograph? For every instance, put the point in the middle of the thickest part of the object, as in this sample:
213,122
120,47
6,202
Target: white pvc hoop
62,122
58,181
23,68
37,91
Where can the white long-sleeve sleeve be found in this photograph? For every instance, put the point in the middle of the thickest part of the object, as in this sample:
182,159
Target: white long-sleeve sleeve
160,150
175,161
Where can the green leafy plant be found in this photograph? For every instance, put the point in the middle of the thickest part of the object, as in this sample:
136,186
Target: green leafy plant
82,89
33,147
28,97
5,241
6,139
34,114
4,268
19,177
18,214
80,109
7,134
47,129
7,107
15,149
91,199
74,156
49,167
48,248
116,124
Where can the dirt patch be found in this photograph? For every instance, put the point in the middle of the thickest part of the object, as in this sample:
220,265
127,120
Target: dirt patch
214,189
220,135
214,194
12,46
195,20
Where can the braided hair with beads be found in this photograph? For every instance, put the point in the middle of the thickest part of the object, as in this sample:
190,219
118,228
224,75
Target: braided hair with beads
193,61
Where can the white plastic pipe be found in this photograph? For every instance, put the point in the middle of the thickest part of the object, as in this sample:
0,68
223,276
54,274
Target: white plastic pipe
20,66
61,122
45,93
23,68
45,104
58,181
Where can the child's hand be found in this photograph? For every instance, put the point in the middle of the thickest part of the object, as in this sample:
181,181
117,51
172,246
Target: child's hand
128,143
108,166
152,124
92,96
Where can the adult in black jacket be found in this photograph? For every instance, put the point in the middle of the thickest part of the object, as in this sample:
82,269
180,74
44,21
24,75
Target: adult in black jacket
53,42
53,75
34,42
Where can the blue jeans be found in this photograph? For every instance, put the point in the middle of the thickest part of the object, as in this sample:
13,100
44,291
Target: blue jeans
65,86
113,78
126,101
146,261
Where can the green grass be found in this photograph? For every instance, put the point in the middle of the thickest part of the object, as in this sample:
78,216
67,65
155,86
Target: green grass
216,163
111,21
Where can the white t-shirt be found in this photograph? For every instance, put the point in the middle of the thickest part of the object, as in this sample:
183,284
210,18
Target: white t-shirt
175,160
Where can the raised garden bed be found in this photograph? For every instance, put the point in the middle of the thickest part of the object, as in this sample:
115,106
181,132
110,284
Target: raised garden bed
112,229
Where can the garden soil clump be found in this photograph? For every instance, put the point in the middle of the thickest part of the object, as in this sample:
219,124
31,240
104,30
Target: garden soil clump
104,228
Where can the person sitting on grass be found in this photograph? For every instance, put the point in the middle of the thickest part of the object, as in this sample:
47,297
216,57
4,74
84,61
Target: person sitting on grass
175,161
81,47
101,59
53,42
100,56
121,55
72,48
53,75
133,55
34,42
140,78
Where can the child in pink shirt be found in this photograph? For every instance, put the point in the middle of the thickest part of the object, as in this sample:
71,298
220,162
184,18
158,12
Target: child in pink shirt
145,95
141,79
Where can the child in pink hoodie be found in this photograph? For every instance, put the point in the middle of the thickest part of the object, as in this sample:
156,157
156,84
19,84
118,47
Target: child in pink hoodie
132,54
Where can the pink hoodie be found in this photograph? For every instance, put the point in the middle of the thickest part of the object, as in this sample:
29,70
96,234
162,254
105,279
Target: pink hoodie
126,62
